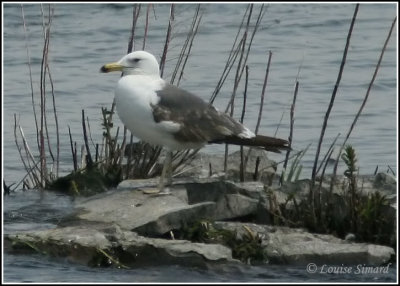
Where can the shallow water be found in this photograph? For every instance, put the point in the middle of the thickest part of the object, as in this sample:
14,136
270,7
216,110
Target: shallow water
85,36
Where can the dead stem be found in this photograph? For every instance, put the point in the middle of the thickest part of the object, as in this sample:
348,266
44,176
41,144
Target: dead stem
185,158
146,27
242,166
324,163
325,122
364,101
28,174
231,59
290,139
90,132
89,159
261,103
231,103
114,148
122,149
193,35
263,93
30,75
245,95
46,69
167,39
129,159
135,16
329,199
43,114
43,168
27,168
256,26
56,122
189,39
235,86
97,153
326,155
181,64
73,151
391,170
28,151
241,66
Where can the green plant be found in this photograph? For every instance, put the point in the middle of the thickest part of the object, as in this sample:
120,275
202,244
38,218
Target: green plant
247,247
295,168
374,224
349,158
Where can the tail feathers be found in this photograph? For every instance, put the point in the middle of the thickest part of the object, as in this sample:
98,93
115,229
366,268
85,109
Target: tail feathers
268,143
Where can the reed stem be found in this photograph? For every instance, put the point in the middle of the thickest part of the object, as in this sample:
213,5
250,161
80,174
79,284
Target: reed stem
365,99
339,77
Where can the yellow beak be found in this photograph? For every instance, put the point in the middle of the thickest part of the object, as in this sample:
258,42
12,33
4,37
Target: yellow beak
111,67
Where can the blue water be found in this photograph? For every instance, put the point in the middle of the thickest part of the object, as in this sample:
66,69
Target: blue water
310,36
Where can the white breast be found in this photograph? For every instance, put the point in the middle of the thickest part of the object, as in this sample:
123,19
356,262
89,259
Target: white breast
133,97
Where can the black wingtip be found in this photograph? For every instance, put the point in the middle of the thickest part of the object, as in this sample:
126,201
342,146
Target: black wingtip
271,144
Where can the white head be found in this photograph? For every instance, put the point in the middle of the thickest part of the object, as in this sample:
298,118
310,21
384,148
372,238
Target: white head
135,63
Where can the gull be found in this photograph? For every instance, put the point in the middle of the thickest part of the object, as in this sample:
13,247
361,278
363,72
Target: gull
163,114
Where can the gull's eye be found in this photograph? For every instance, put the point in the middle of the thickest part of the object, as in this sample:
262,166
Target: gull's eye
135,60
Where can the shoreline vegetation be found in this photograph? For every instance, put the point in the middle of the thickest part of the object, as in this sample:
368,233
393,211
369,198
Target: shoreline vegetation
314,204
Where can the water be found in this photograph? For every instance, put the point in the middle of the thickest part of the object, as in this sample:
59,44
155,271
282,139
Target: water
35,210
38,270
85,36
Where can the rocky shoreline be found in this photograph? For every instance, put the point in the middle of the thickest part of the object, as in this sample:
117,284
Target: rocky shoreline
132,226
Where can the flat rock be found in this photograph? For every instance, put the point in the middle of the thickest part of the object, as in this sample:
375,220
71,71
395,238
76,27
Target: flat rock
298,247
149,214
103,245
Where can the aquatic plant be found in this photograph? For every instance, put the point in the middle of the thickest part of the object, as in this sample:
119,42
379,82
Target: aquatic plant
246,247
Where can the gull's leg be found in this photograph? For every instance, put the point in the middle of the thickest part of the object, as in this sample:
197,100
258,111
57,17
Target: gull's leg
166,171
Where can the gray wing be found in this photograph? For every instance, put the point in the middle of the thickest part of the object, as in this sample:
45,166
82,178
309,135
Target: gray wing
198,120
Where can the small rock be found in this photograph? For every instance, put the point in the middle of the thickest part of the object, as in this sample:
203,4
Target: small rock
350,237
